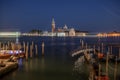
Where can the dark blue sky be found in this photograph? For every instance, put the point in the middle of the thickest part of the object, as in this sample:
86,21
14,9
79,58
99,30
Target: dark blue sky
88,15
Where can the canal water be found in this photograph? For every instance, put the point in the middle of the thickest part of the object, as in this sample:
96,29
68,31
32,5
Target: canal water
57,63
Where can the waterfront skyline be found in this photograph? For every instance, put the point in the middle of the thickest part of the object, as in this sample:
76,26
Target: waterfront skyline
90,15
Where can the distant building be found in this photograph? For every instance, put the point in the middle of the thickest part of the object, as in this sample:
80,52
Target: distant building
114,33
80,33
10,34
65,27
53,25
52,34
64,31
102,35
60,34
45,33
72,32
110,34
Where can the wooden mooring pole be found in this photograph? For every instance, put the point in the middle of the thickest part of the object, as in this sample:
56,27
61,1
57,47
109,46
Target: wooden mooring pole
0,45
102,48
24,47
119,53
26,53
107,63
115,69
94,49
99,72
36,50
43,48
30,51
82,44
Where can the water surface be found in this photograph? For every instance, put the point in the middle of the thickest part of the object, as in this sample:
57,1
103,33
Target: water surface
57,63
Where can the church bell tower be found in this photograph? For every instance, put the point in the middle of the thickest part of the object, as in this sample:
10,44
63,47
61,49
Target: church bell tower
53,25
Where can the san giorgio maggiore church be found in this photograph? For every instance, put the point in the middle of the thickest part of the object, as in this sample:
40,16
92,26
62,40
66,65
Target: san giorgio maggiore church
65,31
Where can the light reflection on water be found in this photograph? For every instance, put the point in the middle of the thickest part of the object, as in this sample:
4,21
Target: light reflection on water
57,63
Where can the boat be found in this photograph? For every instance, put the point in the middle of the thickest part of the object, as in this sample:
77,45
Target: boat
102,77
111,58
5,54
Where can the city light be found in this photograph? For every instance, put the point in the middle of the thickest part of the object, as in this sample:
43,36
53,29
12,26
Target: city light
10,34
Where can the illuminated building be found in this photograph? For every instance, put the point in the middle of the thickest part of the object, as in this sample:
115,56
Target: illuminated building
72,32
114,33
53,25
80,33
10,34
65,27
110,34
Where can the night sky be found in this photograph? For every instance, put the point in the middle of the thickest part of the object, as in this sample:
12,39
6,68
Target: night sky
86,15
